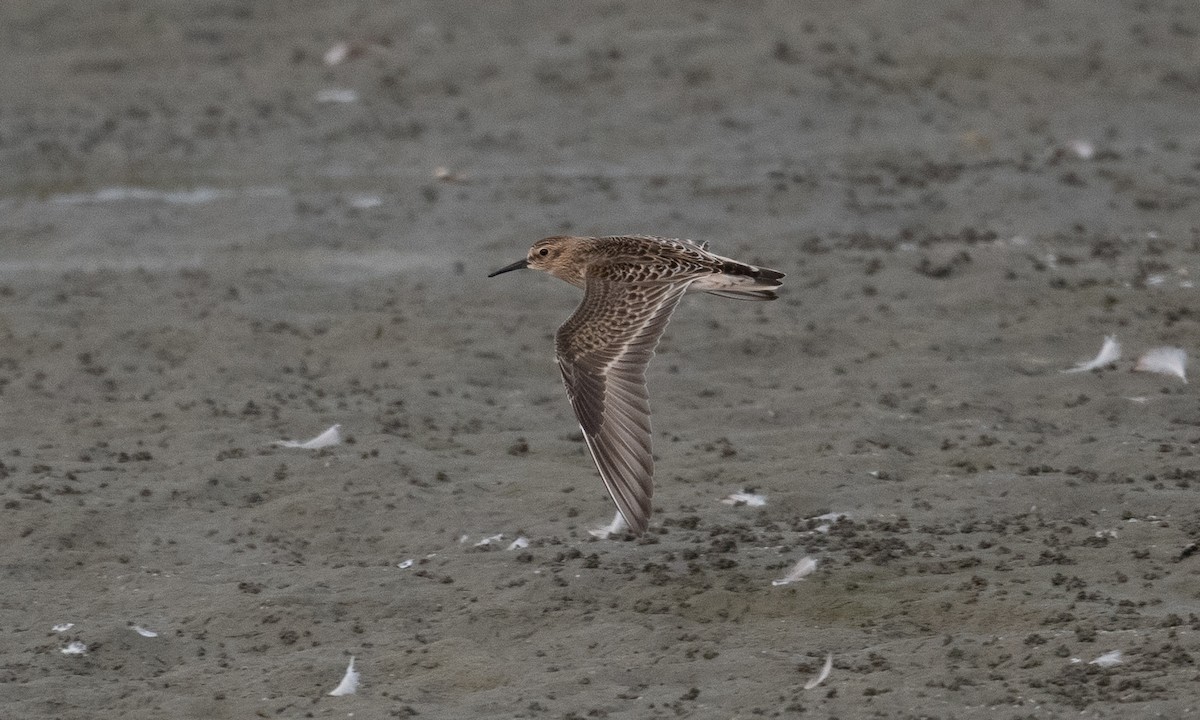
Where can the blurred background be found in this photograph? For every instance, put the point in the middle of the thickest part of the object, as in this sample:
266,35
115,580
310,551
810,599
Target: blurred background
227,223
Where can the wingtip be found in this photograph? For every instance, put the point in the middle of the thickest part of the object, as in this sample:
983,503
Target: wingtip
637,525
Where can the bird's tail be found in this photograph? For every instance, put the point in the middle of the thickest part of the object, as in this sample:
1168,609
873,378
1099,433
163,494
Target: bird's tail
741,282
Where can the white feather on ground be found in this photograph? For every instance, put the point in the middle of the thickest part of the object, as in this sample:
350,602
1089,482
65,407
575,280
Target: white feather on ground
830,516
1110,352
801,570
1164,360
490,539
75,648
349,683
336,95
332,436
1109,659
337,54
829,519
615,527
1083,149
748,499
144,632
820,677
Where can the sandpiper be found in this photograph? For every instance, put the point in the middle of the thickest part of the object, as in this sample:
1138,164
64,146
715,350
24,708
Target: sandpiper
631,285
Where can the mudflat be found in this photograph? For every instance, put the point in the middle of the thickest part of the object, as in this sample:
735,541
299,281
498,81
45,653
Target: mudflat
227,224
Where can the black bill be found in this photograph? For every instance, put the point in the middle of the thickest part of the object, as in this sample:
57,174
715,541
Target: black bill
518,265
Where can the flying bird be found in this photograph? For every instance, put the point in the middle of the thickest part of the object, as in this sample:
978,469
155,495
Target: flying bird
631,285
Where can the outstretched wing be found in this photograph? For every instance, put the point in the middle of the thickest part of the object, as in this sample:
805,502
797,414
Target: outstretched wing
603,350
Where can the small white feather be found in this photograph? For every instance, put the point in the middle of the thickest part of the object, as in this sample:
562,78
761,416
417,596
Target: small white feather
337,95
337,54
1164,360
745,498
365,202
144,632
801,570
1109,659
332,436
75,648
521,542
406,564
62,627
820,677
615,527
830,516
489,540
1110,352
1083,149
349,683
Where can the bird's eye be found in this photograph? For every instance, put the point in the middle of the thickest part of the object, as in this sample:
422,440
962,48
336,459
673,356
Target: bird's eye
543,252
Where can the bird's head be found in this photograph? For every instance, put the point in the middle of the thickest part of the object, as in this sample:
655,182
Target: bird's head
550,255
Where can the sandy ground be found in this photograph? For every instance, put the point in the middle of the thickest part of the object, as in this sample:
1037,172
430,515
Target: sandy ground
211,239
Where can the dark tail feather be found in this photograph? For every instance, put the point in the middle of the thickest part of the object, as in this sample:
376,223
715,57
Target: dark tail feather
742,282
766,276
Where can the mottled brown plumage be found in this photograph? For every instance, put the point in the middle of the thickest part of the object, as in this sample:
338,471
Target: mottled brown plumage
631,285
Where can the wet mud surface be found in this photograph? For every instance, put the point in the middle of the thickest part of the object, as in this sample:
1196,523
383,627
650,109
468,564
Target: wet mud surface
214,239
